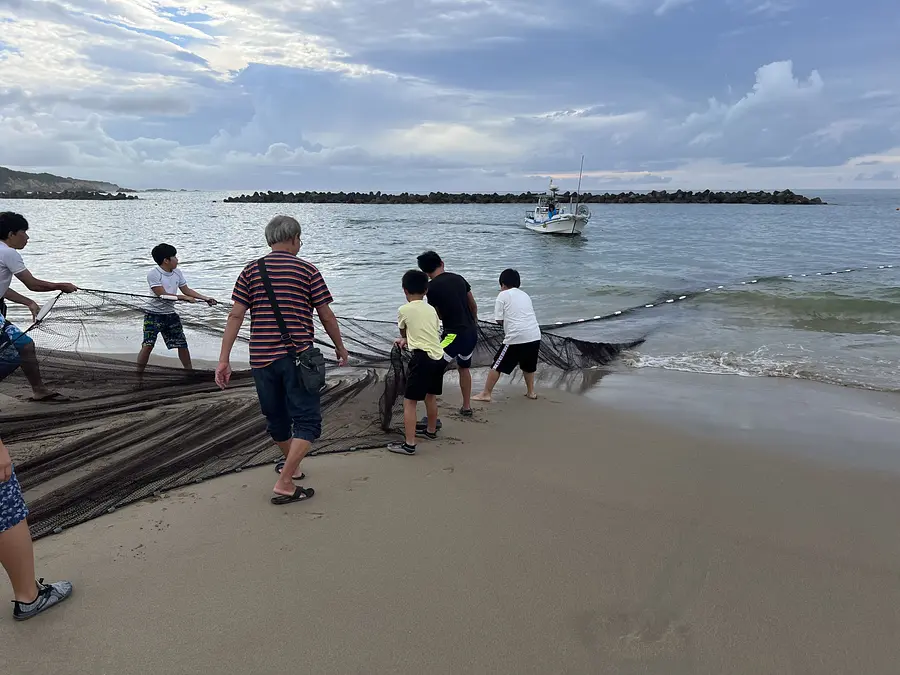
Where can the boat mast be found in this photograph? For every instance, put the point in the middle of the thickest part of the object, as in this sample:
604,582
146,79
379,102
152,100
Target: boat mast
577,196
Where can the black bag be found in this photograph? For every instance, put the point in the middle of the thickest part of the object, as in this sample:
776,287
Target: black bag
310,362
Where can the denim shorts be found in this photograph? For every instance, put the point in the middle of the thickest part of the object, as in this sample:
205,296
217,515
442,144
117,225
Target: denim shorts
291,411
12,505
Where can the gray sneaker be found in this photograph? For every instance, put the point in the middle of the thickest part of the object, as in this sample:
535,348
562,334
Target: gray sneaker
48,596
402,448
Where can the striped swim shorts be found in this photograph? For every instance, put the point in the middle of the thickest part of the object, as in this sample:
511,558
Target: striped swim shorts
12,505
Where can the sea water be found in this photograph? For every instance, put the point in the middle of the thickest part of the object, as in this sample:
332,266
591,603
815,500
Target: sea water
767,319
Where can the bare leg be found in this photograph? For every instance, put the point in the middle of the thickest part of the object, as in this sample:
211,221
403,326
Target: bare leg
492,379
143,358
529,383
298,450
431,410
17,558
285,447
409,421
185,355
32,371
465,386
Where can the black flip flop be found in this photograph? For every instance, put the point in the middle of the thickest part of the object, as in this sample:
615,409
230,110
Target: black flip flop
280,466
301,494
55,397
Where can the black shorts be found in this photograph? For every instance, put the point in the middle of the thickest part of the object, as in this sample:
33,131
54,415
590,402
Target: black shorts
170,327
525,356
460,346
424,376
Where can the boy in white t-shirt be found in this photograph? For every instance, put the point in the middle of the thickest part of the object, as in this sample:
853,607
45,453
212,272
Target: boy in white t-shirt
16,347
522,336
166,280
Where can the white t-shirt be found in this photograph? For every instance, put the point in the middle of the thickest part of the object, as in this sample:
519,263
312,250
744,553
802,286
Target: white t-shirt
11,264
514,309
171,283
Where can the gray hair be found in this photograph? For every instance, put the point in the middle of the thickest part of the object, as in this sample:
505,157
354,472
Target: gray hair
281,229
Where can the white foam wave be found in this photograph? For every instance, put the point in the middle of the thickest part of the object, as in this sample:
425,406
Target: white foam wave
761,362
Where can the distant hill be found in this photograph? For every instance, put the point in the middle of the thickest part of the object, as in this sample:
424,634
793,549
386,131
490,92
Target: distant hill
46,182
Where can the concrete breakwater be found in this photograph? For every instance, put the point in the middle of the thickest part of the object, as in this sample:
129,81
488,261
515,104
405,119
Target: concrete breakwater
782,197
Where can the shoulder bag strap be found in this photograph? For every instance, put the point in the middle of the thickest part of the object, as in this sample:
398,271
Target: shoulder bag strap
282,326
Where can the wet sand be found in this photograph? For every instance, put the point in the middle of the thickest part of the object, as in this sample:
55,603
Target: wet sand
561,535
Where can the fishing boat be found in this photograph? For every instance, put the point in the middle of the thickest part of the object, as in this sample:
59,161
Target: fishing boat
551,217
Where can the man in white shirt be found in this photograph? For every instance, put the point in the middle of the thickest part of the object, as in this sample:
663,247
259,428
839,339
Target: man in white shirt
13,238
161,318
522,336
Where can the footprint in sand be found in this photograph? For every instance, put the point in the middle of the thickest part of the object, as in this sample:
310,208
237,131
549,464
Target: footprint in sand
356,482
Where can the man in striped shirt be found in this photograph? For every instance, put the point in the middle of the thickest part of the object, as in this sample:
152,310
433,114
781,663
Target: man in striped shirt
293,412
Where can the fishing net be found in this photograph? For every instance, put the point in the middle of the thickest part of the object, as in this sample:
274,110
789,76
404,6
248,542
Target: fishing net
124,437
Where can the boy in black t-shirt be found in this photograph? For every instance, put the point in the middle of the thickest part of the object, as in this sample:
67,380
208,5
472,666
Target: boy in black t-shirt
451,296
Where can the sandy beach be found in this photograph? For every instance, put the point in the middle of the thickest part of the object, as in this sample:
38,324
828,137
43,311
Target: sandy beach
544,537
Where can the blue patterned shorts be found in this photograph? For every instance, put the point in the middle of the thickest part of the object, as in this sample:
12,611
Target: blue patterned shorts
12,506
170,327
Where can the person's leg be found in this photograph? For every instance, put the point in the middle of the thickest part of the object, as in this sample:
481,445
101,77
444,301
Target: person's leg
465,386
528,360
16,549
431,410
17,558
417,383
272,402
504,360
285,447
489,384
24,345
173,334
466,351
299,448
529,383
184,354
305,414
151,332
143,358
409,421
31,370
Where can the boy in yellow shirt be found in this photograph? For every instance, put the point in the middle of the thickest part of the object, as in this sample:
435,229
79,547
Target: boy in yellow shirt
419,332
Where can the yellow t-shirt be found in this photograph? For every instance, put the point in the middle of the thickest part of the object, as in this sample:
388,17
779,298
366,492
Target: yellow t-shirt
421,324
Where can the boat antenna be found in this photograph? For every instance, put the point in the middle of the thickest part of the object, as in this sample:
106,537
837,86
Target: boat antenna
577,196
580,174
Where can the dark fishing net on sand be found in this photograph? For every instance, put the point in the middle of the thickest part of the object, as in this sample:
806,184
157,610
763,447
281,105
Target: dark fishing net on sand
124,437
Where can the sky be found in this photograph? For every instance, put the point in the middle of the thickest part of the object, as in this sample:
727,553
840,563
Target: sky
453,95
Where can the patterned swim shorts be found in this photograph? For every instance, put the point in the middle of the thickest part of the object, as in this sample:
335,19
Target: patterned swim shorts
170,327
12,505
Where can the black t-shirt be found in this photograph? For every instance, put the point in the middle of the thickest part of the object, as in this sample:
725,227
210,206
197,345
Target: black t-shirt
448,294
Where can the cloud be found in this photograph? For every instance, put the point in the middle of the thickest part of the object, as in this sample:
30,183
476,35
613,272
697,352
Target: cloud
878,177
449,94
669,5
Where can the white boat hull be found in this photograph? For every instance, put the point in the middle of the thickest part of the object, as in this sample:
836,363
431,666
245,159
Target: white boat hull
560,224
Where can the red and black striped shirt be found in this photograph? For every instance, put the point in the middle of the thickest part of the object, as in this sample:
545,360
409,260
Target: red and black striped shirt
299,288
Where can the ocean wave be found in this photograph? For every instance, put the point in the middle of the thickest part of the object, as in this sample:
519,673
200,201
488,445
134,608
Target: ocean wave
602,290
877,302
761,362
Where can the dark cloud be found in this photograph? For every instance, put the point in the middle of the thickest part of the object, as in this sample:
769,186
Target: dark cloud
450,95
